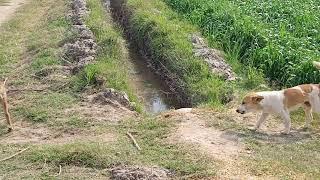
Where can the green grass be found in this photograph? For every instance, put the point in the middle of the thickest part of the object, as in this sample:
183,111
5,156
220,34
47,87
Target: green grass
151,137
287,161
42,49
40,108
279,37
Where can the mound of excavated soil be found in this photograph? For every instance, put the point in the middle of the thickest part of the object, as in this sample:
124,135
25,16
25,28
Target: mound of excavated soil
212,57
83,49
143,173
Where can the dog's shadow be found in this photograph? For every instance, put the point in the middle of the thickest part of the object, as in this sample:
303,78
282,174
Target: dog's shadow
296,135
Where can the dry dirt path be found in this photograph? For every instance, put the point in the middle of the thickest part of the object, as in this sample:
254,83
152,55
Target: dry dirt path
8,9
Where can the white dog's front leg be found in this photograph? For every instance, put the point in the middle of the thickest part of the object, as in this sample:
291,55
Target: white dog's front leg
287,121
261,120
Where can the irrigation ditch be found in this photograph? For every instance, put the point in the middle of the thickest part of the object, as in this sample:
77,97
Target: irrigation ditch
170,90
159,82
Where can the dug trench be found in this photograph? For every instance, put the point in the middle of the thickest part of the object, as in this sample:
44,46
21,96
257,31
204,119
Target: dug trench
171,85
154,86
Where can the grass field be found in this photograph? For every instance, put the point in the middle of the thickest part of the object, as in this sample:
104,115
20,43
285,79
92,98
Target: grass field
279,37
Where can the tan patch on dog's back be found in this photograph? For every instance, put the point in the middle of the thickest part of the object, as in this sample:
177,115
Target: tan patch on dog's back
294,97
307,88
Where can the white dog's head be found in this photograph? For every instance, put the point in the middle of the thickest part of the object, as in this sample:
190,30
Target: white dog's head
250,103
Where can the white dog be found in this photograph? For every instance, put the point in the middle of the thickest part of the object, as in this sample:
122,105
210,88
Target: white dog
284,101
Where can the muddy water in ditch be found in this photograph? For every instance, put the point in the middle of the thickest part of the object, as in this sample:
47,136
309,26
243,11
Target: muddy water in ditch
148,86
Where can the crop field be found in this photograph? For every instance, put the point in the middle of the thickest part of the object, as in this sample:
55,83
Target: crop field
279,37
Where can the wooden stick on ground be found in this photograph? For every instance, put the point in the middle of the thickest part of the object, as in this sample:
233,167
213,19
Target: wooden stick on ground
134,141
14,154
60,169
15,90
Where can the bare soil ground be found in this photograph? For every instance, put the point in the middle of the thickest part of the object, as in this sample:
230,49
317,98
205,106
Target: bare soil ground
221,145
224,137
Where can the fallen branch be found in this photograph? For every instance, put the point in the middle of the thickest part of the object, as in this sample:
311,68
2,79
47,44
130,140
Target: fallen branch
60,169
10,90
7,158
134,141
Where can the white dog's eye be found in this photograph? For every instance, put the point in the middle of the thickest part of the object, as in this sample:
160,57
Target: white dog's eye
242,103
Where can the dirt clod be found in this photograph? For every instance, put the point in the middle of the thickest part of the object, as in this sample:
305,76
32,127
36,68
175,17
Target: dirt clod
144,173
82,50
79,11
112,97
213,58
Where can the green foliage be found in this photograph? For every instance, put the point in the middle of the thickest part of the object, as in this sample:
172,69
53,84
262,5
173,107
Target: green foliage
279,37
39,108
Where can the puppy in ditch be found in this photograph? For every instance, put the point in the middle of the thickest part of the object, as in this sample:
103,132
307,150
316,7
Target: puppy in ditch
4,102
283,102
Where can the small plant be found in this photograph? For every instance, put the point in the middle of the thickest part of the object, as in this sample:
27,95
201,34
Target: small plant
90,74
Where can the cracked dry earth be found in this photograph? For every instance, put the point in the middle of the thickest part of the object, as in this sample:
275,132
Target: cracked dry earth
9,8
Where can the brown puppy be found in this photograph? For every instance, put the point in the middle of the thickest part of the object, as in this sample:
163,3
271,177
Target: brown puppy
4,101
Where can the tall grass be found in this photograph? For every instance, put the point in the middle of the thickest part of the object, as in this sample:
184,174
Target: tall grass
279,37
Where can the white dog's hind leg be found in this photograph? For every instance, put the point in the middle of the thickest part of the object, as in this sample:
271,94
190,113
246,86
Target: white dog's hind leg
286,120
261,120
308,112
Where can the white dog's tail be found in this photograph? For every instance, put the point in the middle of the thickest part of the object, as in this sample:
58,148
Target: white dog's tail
316,64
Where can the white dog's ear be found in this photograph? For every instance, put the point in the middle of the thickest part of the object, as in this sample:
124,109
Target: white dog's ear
257,98
316,64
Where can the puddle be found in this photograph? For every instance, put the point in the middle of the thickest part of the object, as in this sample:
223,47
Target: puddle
148,86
